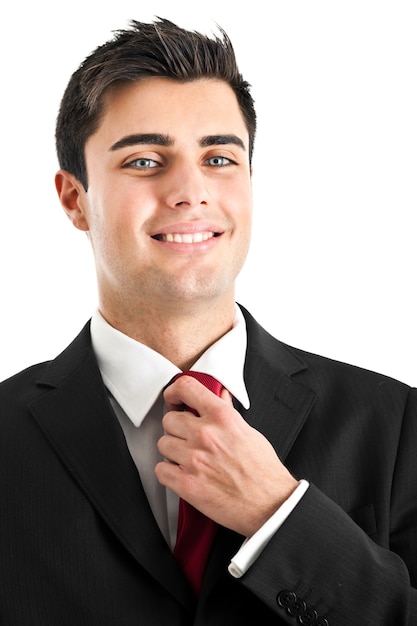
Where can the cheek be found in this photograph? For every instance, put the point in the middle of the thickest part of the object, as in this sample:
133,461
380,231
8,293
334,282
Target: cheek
242,207
244,222
241,217
113,213
106,228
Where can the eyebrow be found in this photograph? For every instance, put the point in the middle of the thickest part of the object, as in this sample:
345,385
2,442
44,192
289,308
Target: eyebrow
221,140
157,139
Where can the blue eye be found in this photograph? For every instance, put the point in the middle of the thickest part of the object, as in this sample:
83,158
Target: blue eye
219,161
143,164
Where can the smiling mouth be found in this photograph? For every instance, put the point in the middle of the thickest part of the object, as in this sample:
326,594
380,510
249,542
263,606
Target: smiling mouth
186,237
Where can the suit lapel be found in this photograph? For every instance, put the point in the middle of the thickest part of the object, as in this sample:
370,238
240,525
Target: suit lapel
76,417
279,404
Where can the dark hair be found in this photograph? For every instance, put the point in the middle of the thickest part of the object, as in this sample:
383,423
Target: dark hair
160,48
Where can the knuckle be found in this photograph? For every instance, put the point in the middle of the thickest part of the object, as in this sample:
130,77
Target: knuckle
196,459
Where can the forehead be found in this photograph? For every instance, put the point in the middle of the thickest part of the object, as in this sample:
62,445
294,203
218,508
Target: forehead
167,106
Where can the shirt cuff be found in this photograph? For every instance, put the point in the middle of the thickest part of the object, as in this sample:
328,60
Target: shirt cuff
253,546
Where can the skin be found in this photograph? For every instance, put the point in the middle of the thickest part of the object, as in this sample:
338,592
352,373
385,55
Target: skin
168,214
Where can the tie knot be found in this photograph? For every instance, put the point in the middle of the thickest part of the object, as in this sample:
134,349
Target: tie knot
208,381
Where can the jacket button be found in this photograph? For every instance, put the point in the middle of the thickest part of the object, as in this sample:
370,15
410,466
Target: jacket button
298,608
308,617
321,621
286,598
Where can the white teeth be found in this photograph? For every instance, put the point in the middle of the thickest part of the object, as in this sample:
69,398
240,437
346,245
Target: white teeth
187,237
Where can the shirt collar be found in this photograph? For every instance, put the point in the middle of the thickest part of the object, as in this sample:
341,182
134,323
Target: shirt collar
135,374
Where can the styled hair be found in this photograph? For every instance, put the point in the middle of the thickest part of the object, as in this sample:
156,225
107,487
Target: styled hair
161,49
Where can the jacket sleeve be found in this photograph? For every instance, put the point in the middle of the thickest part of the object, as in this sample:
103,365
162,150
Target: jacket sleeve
321,567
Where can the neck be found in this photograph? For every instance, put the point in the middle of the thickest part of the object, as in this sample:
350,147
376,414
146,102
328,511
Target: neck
181,335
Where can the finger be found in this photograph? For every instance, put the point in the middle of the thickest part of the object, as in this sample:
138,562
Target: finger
190,392
181,434
178,423
170,475
172,449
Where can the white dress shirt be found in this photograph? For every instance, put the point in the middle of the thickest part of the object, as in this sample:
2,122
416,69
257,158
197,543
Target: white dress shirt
135,376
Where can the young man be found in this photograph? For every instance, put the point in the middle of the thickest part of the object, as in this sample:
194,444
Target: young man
305,467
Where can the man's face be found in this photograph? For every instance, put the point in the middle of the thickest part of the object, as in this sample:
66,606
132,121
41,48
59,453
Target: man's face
169,201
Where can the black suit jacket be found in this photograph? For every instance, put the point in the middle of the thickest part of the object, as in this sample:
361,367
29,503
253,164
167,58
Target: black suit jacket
79,545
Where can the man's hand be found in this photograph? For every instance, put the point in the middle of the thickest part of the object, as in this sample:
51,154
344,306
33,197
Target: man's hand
217,462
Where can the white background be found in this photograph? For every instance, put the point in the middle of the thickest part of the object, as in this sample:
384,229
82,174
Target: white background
332,268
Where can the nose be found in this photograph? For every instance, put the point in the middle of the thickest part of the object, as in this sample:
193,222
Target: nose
186,187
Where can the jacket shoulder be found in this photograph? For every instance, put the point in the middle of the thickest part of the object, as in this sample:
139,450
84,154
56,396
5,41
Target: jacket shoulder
330,368
319,372
31,382
18,386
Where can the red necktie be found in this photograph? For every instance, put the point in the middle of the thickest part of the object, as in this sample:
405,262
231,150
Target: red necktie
195,532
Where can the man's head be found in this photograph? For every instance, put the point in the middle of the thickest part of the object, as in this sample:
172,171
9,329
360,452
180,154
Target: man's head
154,139
159,49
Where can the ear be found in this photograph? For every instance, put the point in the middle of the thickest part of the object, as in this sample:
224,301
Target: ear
73,198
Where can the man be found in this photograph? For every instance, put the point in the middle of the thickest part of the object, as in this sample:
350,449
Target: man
306,467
